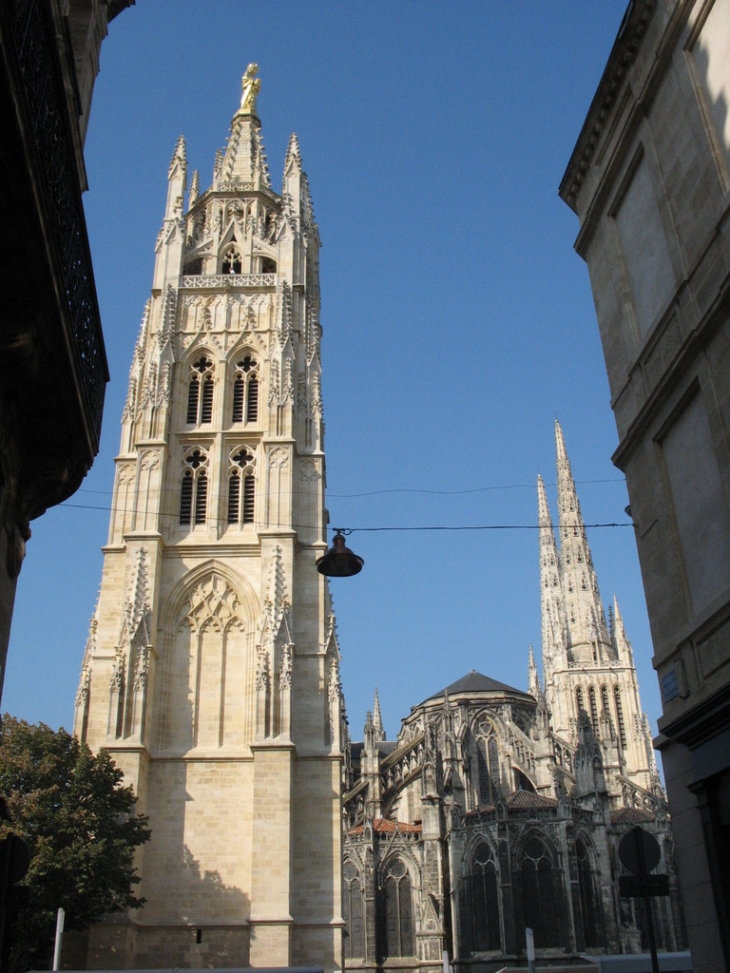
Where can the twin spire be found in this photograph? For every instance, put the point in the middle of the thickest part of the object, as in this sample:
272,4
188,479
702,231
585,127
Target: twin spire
573,618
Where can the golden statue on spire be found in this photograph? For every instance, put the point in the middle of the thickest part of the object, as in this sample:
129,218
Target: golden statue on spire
251,86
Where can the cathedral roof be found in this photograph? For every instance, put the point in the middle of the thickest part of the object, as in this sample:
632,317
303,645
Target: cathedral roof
475,682
528,800
631,815
520,800
384,826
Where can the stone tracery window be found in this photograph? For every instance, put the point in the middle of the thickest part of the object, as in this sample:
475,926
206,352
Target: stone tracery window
194,488
241,487
488,774
479,908
200,392
246,390
620,717
397,920
352,907
540,892
592,922
232,261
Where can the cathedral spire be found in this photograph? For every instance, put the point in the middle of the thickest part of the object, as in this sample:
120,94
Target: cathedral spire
588,639
550,592
378,719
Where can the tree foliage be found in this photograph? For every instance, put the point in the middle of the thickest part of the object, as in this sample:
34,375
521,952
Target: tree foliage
81,828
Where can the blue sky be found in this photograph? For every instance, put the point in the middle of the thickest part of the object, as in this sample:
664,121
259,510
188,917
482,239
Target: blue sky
458,322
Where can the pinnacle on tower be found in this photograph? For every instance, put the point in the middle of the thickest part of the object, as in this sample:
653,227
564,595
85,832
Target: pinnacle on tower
378,720
533,679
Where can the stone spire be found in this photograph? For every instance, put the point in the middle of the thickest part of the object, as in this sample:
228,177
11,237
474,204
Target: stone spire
176,181
619,639
588,639
533,679
550,591
378,719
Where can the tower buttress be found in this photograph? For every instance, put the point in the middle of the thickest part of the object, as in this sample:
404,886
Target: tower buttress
377,719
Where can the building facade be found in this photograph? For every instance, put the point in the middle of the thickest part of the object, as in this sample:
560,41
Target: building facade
649,180
498,809
211,673
51,343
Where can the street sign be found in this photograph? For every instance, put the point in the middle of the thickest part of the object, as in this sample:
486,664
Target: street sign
632,887
639,851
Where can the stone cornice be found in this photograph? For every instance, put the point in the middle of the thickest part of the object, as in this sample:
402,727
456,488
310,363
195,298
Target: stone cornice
623,54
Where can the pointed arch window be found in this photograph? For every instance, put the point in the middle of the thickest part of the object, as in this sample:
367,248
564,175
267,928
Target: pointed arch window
194,488
268,265
200,392
488,775
594,708
352,907
479,903
539,888
620,717
232,260
397,930
241,487
592,920
579,702
246,390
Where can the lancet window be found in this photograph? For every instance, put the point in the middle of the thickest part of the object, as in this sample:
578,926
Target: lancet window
194,488
539,887
246,390
488,775
620,717
594,708
479,901
592,922
241,487
200,392
397,932
352,906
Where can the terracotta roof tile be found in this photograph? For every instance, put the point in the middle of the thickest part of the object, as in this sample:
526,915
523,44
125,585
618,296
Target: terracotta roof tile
384,826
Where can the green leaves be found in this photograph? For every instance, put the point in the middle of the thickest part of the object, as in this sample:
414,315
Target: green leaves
80,825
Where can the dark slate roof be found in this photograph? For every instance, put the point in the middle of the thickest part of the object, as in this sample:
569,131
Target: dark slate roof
527,801
475,682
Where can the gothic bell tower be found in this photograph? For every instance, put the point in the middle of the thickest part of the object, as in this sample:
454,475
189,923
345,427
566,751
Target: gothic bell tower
211,673
590,687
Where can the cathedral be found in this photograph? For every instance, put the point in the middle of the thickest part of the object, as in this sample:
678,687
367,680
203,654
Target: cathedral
211,672
498,809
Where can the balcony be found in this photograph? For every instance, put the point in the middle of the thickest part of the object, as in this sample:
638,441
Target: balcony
205,281
54,369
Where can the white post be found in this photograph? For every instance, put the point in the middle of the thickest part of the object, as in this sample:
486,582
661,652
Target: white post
447,965
529,936
60,917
